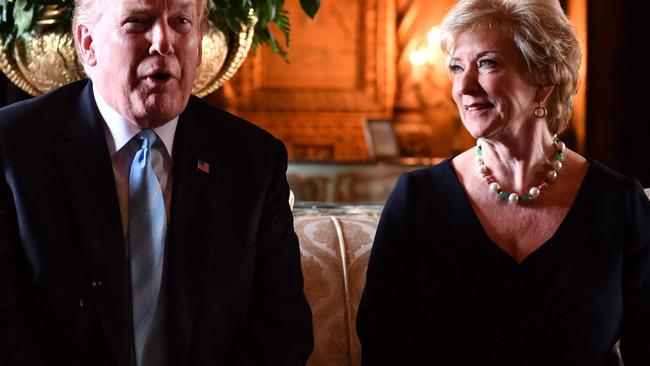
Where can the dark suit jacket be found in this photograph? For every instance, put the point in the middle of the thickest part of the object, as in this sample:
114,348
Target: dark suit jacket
235,287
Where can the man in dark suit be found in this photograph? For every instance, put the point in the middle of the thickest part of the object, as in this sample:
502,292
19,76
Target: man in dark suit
139,225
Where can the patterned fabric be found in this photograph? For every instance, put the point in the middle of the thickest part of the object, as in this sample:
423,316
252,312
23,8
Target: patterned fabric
335,246
147,230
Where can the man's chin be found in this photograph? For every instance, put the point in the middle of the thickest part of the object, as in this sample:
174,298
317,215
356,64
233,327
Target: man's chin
159,109
153,118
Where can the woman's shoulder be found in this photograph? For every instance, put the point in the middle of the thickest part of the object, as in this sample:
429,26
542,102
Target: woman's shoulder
423,192
433,185
608,179
440,174
614,192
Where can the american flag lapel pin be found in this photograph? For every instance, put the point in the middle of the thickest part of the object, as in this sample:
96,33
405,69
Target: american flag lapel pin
202,166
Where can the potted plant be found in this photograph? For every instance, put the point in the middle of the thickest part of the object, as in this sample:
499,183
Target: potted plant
35,33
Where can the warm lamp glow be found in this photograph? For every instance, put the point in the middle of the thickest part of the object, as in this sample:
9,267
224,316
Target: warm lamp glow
433,37
419,57
427,60
430,53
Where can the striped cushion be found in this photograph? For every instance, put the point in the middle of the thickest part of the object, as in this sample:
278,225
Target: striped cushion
335,246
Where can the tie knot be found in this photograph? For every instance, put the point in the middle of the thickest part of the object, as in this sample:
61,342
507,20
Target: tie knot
147,138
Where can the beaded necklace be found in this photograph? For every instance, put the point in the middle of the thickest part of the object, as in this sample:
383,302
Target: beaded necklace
534,191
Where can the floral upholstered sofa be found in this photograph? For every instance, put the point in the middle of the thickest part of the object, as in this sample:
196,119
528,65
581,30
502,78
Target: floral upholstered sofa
335,243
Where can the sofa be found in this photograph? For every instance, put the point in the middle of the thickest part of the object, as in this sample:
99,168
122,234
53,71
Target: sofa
335,243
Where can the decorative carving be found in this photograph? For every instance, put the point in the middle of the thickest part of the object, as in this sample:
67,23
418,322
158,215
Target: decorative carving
327,136
214,51
222,57
47,61
44,59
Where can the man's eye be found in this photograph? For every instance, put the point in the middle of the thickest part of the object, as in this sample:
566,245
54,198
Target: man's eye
181,20
134,21
136,24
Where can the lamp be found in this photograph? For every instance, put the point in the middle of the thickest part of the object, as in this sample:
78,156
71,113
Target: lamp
429,71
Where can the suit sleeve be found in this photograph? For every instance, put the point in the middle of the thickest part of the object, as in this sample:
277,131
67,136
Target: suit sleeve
635,337
384,321
280,315
17,343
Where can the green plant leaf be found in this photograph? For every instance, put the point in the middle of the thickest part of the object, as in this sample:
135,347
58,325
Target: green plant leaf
283,23
310,7
4,7
23,16
272,9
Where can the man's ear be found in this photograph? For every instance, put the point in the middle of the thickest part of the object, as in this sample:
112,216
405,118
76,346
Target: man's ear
200,50
84,40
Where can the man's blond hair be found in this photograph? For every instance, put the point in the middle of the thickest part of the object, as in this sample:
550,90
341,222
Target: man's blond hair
86,13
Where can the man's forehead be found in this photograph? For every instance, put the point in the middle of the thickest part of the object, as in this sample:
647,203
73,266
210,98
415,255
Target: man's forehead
155,4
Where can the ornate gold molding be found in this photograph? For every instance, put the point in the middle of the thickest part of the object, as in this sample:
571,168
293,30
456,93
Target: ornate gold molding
209,77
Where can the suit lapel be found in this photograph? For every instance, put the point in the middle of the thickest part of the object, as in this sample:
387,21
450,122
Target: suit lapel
88,174
201,181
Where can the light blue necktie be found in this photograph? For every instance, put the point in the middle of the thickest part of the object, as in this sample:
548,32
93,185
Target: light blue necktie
147,230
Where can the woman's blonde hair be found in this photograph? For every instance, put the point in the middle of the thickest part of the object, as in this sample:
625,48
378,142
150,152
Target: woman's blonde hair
542,33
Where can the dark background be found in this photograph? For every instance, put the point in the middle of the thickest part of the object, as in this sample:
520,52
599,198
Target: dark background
618,102
618,88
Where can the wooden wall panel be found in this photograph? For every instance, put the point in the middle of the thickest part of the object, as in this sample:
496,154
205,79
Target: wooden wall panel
341,71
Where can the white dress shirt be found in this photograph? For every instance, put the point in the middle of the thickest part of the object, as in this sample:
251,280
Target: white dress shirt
118,132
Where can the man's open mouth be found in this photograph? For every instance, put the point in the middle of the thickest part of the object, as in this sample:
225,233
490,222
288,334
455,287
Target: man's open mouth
160,76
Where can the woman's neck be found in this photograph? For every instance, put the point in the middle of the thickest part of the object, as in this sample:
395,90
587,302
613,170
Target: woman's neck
519,160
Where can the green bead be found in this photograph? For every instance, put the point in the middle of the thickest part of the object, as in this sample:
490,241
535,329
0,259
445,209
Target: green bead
503,195
558,157
479,152
524,197
555,138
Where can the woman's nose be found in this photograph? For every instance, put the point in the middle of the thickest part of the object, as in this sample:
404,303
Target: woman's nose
467,82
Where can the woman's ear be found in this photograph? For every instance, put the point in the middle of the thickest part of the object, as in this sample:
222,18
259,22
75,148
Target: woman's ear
543,92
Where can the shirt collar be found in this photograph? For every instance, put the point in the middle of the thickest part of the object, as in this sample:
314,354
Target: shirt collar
122,130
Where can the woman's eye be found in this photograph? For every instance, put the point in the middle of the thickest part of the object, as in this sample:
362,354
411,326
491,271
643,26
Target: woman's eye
486,63
455,69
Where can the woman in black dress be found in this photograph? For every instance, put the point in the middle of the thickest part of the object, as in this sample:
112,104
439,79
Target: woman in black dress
518,251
